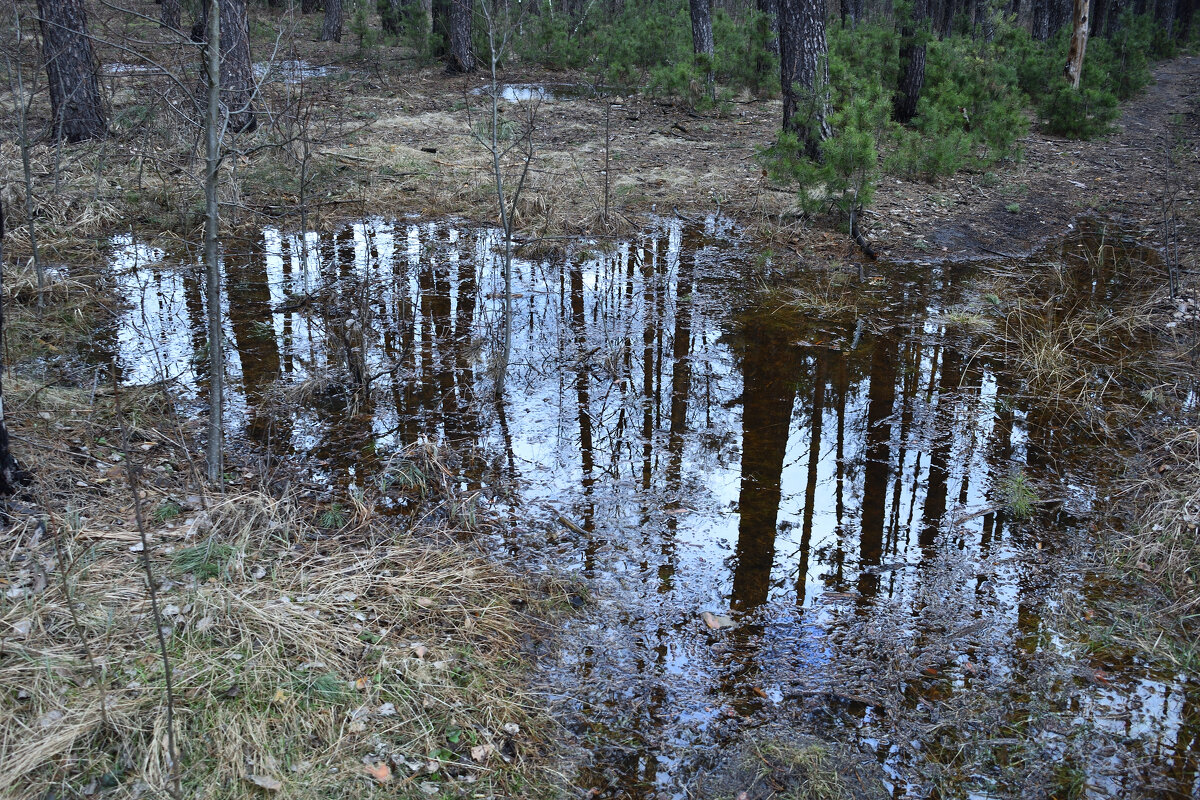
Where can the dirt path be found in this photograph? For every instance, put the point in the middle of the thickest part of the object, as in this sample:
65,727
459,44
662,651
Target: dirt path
1127,174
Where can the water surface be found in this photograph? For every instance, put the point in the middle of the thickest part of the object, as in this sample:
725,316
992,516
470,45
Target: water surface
694,425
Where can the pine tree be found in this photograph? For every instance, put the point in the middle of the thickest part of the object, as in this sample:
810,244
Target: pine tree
71,68
804,72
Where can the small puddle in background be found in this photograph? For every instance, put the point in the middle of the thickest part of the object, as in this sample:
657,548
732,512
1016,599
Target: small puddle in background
825,475
117,69
292,71
548,92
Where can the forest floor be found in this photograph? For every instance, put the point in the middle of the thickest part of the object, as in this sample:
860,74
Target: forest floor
311,658
664,157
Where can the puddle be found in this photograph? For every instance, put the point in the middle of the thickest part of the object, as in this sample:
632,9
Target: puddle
116,69
292,71
826,474
545,92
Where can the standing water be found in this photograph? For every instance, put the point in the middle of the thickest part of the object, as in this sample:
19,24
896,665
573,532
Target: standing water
811,507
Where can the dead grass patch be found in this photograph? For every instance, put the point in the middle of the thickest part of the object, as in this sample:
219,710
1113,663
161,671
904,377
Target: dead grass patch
302,662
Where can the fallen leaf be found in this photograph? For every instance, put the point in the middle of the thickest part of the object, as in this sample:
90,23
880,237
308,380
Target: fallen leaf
380,771
480,752
266,782
362,683
425,602
716,621
758,691
49,718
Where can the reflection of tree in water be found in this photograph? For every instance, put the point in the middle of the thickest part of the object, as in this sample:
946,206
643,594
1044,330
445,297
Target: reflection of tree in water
771,364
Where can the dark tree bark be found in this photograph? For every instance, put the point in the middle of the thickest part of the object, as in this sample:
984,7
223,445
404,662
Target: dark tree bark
702,32
912,64
237,73
331,30
804,72
71,68
1041,20
770,9
310,6
170,15
391,14
1165,12
8,465
461,57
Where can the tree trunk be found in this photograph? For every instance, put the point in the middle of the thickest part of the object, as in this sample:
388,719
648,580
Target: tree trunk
1165,12
804,72
391,14
702,32
461,57
331,31
8,464
237,74
170,15
71,68
212,270
309,6
1041,20
1074,69
770,9
912,64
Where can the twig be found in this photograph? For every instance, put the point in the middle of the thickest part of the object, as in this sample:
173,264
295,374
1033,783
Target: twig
131,474
87,649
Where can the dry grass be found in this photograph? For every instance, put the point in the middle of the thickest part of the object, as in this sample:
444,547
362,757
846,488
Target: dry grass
1163,542
1082,358
301,657
302,661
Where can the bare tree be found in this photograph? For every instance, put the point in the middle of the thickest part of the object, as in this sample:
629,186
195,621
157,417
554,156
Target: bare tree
331,30
21,109
237,72
212,268
461,57
804,72
499,31
8,464
71,68
1079,36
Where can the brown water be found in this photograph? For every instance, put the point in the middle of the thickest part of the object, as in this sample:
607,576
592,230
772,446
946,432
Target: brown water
827,474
